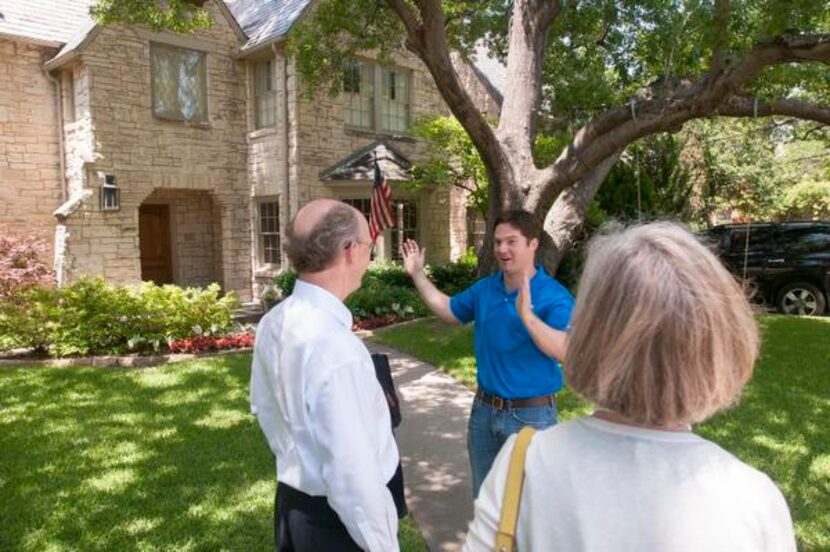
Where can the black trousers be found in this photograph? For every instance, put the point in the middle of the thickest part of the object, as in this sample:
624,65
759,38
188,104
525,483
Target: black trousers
305,523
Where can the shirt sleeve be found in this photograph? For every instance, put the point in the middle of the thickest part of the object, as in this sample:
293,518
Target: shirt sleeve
352,470
482,533
463,304
558,314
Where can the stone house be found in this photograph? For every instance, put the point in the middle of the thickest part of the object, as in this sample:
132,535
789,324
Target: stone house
179,158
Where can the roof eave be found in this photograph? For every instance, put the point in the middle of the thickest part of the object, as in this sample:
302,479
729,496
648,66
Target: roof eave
31,40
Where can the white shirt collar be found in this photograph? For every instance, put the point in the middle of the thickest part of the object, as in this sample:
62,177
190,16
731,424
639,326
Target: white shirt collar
324,300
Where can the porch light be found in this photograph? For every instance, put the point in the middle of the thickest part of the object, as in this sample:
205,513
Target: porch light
110,194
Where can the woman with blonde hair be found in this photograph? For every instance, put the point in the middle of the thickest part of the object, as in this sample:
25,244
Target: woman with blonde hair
662,339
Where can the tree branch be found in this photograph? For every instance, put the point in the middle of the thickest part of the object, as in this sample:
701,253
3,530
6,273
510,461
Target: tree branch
614,130
721,21
428,40
743,106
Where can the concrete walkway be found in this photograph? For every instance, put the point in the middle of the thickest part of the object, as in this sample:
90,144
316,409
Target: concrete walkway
433,443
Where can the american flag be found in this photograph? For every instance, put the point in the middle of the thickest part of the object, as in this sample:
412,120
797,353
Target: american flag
383,216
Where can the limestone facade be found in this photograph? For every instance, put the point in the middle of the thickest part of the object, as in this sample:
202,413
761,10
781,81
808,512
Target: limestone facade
215,176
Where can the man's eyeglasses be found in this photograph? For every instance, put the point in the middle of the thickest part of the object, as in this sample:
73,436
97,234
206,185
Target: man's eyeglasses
373,246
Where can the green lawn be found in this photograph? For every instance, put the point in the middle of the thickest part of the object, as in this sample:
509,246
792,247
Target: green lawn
782,425
164,458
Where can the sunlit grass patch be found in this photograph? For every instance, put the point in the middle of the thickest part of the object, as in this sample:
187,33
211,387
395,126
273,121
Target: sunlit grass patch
155,459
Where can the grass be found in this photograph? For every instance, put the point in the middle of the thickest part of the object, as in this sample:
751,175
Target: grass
164,458
780,426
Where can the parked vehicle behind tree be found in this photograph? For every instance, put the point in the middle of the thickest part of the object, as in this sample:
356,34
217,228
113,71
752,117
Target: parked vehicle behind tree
785,264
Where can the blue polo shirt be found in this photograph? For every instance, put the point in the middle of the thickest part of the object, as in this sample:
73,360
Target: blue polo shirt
509,364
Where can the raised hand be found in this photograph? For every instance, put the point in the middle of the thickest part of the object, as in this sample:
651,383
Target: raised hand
523,300
413,257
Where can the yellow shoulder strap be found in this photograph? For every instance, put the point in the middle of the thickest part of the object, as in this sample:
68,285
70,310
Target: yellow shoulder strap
506,535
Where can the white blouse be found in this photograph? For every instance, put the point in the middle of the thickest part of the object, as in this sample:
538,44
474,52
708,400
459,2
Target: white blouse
598,486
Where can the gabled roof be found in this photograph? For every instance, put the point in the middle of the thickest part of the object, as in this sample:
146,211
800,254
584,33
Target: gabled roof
51,22
266,21
360,165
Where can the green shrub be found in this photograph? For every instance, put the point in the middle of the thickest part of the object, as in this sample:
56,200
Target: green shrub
388,289
93,317
455,276
375,299
285,281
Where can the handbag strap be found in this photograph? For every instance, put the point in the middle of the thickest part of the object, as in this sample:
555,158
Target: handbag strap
506,535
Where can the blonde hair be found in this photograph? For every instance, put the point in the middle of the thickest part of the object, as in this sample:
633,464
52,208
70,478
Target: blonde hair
662,333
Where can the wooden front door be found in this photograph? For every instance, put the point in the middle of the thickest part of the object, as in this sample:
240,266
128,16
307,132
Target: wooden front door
154,240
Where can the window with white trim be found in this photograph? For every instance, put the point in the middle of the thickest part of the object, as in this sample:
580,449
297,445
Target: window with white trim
265,96
269,232
179,83
364,108
394,109
406,215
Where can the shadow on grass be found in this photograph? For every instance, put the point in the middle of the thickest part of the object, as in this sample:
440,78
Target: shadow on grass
781,424
164,458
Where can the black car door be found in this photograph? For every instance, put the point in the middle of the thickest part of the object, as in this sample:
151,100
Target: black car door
748,250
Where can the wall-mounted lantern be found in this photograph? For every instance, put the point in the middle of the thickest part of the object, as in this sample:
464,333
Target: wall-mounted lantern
110,194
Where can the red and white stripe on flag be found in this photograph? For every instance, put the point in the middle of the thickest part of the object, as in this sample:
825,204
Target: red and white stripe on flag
383,215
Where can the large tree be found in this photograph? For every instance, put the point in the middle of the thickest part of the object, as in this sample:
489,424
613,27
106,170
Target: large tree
603,72
597,75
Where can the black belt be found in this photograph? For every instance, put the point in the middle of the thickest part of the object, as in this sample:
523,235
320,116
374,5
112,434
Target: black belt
503,404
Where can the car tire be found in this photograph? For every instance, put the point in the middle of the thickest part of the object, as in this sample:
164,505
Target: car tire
801,298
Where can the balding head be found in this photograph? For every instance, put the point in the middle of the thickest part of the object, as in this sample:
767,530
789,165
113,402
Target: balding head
319,233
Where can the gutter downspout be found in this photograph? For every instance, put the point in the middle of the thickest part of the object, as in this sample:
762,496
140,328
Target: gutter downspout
286,162
62,161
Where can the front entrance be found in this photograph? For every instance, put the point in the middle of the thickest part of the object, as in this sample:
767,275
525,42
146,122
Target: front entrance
154,242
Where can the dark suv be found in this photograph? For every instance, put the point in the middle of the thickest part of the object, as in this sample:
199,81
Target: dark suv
786,264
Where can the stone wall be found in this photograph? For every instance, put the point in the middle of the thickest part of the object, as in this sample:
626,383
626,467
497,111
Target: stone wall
324,141
117,133
30,185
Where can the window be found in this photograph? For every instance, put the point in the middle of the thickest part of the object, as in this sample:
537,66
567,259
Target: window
264,95
68,82
269,232
359,94
395,105
806,240
384,112
476,228
362,205
406,213
760,239
179,82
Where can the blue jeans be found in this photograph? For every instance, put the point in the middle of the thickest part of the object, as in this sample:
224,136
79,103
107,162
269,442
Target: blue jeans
489,428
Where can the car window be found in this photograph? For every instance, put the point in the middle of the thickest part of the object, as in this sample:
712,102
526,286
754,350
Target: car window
760,239
806,240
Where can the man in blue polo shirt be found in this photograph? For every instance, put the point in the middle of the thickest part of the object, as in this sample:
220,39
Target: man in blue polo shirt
517,340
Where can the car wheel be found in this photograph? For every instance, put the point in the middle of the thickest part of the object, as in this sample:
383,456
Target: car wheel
802,299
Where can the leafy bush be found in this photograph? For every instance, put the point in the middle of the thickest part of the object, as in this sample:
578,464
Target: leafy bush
375,299
808,200
285,281
93,317
21,265
456,276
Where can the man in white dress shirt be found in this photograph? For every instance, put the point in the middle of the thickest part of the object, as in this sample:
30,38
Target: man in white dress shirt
316,397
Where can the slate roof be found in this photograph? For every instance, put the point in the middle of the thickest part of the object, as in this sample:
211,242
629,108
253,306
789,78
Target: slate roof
360,165
53,22
266,21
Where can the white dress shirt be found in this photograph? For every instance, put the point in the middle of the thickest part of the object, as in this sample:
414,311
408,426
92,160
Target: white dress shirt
597,486
318,401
